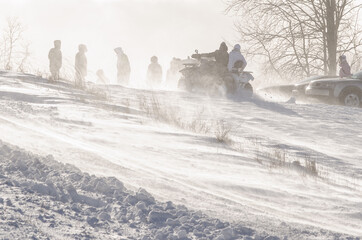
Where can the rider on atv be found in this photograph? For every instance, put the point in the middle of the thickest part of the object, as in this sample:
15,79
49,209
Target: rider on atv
213,77
236,60
221,58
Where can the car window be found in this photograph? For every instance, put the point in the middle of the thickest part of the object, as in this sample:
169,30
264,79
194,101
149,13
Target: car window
357,75
306,80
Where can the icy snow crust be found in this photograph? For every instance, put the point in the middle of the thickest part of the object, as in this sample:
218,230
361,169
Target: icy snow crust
165,142
45,199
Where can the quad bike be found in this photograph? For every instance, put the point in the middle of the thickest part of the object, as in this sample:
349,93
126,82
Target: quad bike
203,75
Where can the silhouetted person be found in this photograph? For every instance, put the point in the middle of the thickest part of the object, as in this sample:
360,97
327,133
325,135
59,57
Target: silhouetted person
154,72
236,56
123,67
221,57
345,69
173,73
80,66
55,60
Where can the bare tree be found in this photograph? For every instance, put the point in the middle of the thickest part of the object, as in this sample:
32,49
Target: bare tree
298,37
12,35
24,59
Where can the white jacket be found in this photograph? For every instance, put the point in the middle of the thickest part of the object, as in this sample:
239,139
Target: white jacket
234,56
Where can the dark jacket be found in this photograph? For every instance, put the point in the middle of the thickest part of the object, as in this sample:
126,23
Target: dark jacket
221,55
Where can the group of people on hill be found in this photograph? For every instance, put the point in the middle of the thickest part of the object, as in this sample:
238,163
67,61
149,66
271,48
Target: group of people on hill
123,69
55,63
224,62
154,71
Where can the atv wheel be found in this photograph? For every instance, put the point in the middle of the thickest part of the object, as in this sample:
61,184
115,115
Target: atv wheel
247,90
230,85
215,90
184,84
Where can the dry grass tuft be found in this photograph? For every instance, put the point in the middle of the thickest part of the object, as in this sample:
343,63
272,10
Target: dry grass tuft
171,115
97,93
222,132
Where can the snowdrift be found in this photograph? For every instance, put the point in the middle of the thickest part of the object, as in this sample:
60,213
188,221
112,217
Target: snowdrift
42,198
254,169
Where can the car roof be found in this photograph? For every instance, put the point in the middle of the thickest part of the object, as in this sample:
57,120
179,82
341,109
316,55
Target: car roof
309,79
357,75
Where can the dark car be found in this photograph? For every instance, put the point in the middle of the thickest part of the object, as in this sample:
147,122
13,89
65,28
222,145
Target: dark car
346,91
299,87
296,90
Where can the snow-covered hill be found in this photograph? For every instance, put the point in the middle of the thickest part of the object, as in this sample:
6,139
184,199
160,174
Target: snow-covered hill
285,170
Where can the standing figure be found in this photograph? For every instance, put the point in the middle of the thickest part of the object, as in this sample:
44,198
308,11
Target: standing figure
123,67
173,73
80,66
55,60
154,72
345,69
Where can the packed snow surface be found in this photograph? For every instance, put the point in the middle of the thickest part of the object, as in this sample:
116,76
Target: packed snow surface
284,169
44,199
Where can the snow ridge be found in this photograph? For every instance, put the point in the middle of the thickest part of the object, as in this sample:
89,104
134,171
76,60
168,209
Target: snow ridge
45,199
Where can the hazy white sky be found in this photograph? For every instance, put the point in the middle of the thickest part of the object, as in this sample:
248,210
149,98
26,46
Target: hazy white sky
143,28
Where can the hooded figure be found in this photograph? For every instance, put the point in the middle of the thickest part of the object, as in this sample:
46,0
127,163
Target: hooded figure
154,72
173,73
235,56
221,56
55,60
80,65
123,67
345,69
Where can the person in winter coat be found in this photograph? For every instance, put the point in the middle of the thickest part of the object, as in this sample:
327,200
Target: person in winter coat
154,72
173,73
80,65
55,60
235,56
221,56
345,69
123,67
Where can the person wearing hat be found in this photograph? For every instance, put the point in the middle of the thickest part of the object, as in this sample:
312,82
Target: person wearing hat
123,67
221,57
81,66
236,56
345,69
55,60
154,72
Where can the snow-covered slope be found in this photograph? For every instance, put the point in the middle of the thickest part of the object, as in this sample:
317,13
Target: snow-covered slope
289,170
45,199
